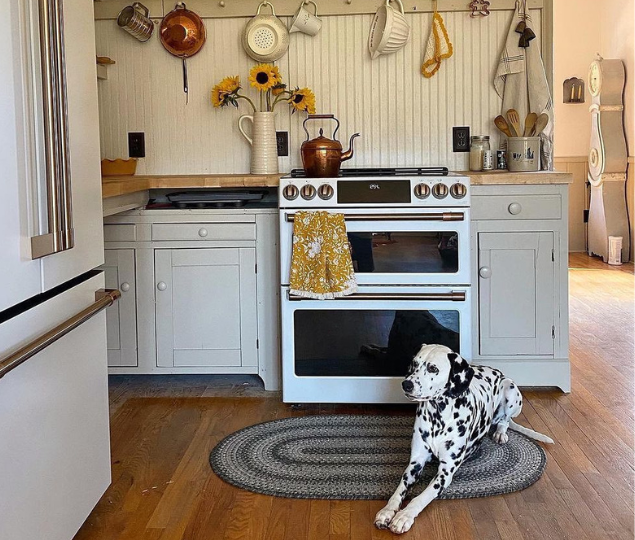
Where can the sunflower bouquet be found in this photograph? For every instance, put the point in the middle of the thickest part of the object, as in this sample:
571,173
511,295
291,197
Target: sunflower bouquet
265,78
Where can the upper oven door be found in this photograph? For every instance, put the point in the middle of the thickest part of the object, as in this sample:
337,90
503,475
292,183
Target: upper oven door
399,247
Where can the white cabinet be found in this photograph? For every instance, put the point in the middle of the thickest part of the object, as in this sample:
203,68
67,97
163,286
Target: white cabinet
206,307
519,273
121,317
516,293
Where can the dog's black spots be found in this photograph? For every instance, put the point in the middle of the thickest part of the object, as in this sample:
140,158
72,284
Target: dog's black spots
452,356
403,493
456,415
488,379
461,430
416,469
405,477
512,385
449,444
442,405
453,455
436,486
449,430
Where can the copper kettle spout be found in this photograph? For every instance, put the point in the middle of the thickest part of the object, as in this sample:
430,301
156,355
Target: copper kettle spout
349,153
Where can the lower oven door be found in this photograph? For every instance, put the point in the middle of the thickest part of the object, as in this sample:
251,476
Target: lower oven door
357,349
405,247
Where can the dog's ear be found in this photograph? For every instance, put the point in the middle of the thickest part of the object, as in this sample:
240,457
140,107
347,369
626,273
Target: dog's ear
461,374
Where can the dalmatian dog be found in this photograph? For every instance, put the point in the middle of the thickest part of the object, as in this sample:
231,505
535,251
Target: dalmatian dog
458,404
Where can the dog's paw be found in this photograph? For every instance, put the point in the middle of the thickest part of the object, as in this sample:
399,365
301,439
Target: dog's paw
384,517
402,522
500,437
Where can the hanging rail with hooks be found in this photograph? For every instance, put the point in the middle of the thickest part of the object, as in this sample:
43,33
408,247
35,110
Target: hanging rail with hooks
214,9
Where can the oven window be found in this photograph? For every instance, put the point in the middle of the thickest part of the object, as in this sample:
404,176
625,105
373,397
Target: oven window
375,343
405,252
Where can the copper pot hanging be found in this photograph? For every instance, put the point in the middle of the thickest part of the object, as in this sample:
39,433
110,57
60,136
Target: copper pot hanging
182,34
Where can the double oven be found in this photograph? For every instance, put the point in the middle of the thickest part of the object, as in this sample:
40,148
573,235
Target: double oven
409,237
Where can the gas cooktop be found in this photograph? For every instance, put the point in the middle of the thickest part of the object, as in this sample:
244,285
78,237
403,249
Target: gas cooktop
382,171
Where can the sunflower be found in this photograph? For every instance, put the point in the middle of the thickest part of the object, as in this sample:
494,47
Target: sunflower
264,76
278,89
302,99
225,91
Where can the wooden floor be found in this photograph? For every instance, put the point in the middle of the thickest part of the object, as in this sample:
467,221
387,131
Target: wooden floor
163,429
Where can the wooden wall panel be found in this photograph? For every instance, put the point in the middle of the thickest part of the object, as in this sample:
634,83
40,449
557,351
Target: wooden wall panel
404,119
578,199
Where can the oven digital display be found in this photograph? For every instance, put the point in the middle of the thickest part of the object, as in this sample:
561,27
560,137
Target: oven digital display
373,191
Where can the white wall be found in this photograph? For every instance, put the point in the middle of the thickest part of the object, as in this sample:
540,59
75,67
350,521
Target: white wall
583,28
404,118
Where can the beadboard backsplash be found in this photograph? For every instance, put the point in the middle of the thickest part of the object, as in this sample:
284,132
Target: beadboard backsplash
404,119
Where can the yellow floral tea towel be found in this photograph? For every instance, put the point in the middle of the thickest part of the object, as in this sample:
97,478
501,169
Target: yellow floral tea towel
321,264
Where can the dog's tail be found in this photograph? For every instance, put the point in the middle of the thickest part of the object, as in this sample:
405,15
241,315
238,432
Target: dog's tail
530,432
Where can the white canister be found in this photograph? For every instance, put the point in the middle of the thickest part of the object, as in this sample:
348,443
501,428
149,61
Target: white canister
615,250
523,154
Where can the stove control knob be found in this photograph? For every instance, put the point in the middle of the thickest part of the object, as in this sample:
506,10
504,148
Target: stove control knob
307,192
458,190
325,192
422,191
290,192
440,191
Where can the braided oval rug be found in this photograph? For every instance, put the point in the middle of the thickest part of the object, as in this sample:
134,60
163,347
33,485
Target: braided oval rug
361,457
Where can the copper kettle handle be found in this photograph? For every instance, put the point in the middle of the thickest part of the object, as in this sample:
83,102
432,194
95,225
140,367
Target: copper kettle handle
320,117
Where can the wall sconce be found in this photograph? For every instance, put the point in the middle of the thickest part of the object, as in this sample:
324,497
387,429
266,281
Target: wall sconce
573,90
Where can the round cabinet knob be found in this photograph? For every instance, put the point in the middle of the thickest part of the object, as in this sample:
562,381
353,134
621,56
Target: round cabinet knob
422,191
325,192
290,192
125,287
440,191
458,190
308,192
202,233
514,208
162,286
485,272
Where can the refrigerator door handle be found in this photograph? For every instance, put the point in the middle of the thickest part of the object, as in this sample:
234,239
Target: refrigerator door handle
103,299
60,235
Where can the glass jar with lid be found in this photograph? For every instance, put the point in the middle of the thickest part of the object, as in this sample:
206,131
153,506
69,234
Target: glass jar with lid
479,144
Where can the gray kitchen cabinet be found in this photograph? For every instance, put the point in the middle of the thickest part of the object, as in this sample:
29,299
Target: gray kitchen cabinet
206,307
519,272
121,317
516,291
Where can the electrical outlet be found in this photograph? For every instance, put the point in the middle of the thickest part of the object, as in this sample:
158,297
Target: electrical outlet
137,145
282,140
461,139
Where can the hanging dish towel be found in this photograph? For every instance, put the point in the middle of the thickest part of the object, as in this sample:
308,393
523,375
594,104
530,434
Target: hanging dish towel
522,83
439,47
321,264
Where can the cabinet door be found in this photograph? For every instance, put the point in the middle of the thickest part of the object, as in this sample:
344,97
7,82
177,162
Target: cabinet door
516,293
206,307
121,317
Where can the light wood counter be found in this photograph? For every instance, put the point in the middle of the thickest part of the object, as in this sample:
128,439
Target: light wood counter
485,178
114,186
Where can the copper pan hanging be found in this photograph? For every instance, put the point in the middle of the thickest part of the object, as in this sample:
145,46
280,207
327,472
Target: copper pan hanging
182,34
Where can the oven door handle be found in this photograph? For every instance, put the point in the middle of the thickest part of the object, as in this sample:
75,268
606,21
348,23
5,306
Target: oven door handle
424,216
453,296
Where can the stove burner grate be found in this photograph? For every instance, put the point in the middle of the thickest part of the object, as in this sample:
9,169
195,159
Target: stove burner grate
382,171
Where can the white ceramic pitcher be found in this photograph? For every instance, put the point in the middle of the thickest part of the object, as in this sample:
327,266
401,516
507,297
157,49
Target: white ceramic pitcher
264,150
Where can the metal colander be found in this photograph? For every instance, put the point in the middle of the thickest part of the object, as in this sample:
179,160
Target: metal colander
265,37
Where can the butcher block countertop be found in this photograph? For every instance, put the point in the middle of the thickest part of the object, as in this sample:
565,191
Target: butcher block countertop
113,186
485,178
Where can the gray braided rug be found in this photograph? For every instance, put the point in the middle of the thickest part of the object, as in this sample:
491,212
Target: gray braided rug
361,457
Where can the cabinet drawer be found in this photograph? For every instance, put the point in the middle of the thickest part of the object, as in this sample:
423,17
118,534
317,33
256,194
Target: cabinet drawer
120,233
204,231
516,207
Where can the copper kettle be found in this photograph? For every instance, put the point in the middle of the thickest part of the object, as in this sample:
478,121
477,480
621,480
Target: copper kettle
322,157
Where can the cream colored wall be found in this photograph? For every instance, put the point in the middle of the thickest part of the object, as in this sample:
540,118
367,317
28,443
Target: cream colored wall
404,119
582,29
